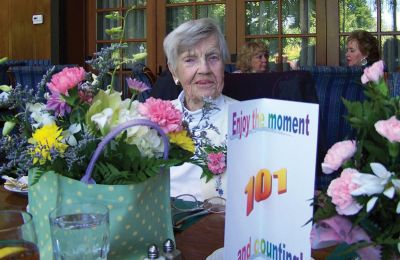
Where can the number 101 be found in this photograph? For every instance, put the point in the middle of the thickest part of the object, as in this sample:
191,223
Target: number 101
260,188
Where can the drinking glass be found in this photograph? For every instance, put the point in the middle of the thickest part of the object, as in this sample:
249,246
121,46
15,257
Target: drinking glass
80,231
17,236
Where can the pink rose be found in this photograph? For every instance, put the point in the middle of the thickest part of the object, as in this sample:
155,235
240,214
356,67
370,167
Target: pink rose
390,129
66,79
373,72
340,191
338,229
216,162
337,155
163,113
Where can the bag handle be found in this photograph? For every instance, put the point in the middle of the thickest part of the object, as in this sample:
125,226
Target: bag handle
113,133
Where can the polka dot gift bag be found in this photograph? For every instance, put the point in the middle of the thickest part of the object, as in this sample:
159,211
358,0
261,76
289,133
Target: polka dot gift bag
140,213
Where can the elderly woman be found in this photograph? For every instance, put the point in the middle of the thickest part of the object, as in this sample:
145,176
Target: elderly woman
252,58
196,53
362,49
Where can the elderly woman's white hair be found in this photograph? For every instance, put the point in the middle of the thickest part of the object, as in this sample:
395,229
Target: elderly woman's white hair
188,34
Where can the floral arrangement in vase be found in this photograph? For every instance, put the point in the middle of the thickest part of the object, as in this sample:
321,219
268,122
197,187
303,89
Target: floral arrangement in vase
360,211
59,126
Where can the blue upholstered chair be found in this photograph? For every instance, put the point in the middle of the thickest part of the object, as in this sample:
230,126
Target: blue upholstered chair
32,75
4,77
393,81
332,84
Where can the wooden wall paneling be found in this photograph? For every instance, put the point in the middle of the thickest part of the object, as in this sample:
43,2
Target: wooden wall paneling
25,40
4,28
41,32
21,31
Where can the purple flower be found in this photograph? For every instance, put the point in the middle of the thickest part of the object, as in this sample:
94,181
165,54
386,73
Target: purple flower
136,85
57,104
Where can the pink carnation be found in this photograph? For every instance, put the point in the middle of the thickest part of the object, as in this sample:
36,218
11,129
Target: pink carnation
337,155
373,73
390,129
66,79
340,191
216,162
163,113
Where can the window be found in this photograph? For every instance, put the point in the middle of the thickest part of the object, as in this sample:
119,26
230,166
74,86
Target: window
298,32
287,26
137,33
381,18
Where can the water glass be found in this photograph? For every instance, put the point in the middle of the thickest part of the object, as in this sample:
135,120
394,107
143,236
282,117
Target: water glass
80,231
17,236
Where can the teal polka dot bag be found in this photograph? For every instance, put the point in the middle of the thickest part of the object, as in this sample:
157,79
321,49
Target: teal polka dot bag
140,214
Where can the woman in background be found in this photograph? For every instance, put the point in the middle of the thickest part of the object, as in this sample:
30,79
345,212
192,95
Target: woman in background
196,52
253,58
362,49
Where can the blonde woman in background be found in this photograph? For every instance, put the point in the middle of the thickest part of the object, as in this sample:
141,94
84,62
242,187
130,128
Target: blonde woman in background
253,58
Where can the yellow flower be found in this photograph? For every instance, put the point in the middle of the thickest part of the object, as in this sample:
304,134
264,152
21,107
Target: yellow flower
182,139
46,139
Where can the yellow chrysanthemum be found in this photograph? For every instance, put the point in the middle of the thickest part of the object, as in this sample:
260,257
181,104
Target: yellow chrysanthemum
45,139
182,139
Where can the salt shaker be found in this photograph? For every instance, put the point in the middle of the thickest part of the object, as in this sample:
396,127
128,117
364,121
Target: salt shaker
153,253
170,252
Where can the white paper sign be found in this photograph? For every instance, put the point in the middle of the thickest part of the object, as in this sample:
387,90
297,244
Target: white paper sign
271,166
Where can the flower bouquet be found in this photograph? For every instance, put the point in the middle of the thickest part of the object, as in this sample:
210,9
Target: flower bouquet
360,211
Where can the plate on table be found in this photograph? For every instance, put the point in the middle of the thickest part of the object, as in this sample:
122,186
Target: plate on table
15,189
18,186
217,254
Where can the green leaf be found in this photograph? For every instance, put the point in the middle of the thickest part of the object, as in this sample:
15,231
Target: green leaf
5,88
8,127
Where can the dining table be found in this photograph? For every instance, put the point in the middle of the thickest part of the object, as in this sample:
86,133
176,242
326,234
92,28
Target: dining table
198,241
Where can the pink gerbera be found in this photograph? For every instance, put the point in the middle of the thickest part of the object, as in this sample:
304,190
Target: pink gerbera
163,113
66,79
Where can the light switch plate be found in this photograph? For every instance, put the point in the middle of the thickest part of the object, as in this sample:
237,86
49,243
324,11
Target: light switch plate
37,19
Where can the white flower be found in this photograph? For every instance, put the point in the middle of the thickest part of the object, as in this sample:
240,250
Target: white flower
69,134
371,183
40,115
371,203
102,118
4,96
150,144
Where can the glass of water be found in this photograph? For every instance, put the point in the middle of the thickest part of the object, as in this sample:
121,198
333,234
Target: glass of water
80,231
17,236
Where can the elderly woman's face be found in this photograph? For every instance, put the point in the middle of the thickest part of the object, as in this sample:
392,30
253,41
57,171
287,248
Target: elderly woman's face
200,70
353,54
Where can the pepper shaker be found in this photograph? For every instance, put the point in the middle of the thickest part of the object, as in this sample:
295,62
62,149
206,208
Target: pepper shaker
170,252
153,253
